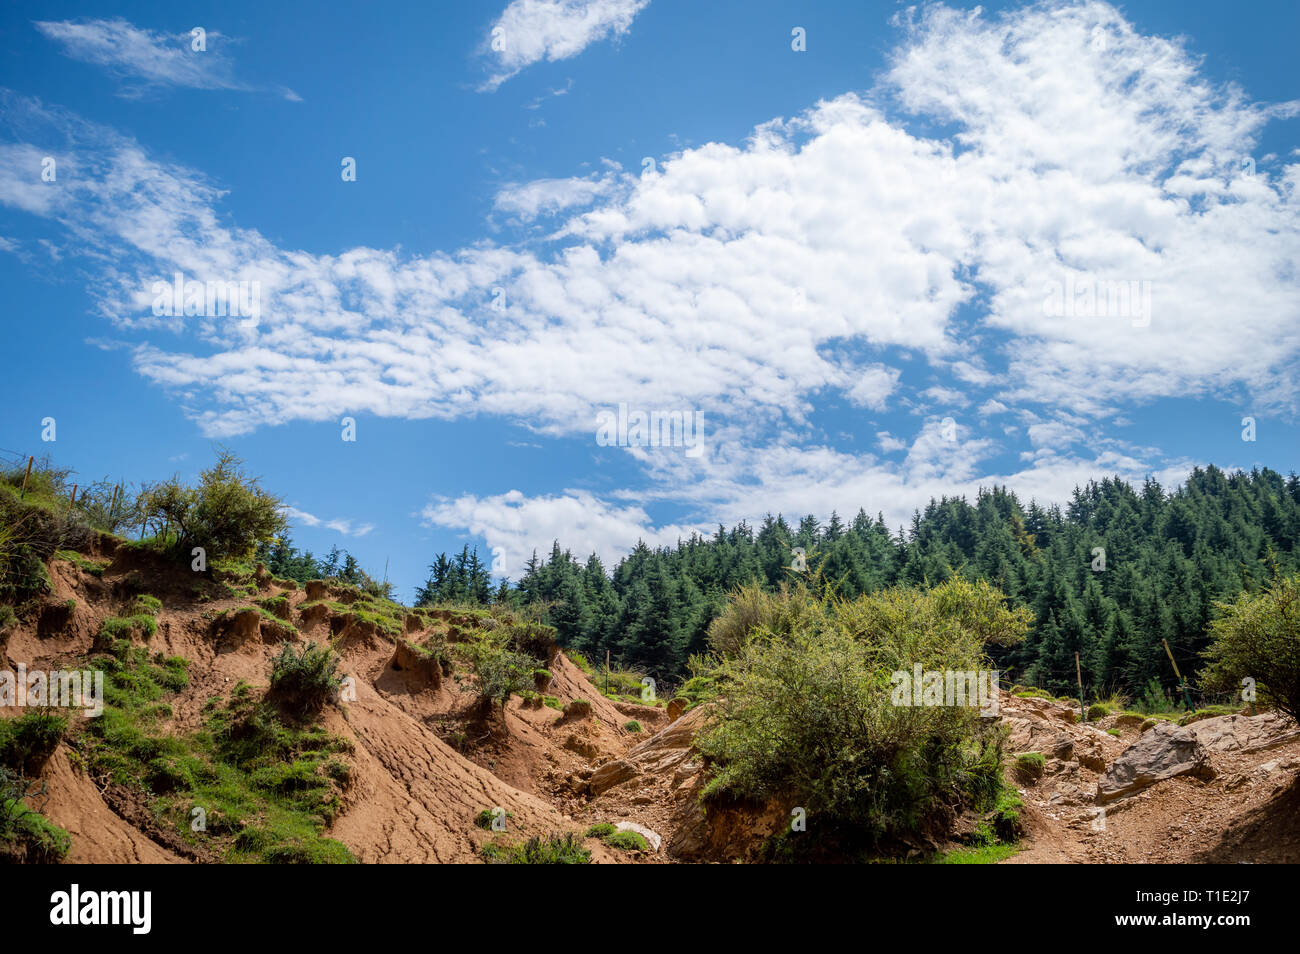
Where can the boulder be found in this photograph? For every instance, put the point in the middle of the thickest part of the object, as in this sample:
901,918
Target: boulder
1238,733
651,837
1163,752
613,772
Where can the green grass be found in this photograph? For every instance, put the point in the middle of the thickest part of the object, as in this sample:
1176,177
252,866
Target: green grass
1034,694
632,726
268,787
125,627
628,841
93,567
554,850
26,835
977,855
26,741
1030,766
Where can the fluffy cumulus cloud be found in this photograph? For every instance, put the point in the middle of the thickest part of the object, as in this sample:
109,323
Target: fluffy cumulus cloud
529,31
1071,248
148,57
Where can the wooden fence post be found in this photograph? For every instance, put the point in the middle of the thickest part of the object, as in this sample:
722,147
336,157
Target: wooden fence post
23,494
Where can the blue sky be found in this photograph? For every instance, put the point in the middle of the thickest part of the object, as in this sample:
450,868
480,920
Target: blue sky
841,262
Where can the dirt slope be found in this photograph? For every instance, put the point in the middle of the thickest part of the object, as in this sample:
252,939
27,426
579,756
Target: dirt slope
1239,806
425,763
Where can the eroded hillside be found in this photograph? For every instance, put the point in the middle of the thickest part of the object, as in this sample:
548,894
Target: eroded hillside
409,766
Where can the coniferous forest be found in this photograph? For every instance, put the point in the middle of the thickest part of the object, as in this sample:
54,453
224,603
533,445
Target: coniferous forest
1168,556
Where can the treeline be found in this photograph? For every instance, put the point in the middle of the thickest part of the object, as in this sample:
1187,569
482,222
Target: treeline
1112,575
286,561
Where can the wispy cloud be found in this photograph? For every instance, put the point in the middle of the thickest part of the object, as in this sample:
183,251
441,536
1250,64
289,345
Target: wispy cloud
751,280
529,31
156,59
345,527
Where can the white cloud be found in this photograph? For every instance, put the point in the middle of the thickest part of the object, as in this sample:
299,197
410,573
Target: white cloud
872,385
528,200
158,59
737,277
889,443
579,520
345,527
529,31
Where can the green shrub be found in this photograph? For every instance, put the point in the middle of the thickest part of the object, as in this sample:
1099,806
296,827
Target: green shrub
28,740
1256,637
632,725
146,605
1154,699
601,830
227,514
1098,711
498,669
306,679
808,715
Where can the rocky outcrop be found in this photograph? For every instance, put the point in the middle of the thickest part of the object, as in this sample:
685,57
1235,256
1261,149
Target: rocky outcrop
613,772
1239,733
1165,751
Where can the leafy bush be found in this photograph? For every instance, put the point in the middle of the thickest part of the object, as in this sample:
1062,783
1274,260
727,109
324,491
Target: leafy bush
751,608
32,531
632,725
227,514
807,715
499,670
1258,637
305,679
